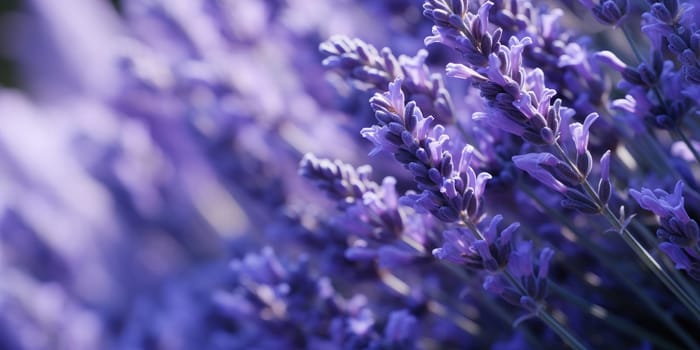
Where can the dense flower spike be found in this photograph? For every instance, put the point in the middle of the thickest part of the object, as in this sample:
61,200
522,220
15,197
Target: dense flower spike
678,232
339,180
363,64
490,254
663,90
567,65
449,191
519,101
461,30
363,199
360,61
533,276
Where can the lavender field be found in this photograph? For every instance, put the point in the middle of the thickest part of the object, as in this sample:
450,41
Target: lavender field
349,174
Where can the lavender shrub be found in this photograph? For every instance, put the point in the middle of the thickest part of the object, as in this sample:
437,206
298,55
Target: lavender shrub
331,174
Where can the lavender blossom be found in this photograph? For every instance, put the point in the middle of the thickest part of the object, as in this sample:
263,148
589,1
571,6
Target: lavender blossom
364,200
533,276
461,30
519,101
564,58
362,63
449,192
678,232
490,254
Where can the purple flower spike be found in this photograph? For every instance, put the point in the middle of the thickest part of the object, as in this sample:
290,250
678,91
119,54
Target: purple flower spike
610,12
677,231
491,254
662,203
456,247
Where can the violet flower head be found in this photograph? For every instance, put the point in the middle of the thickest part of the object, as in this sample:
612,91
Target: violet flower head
678,232
565,61
371,206
340,181
461,30
662,203
519,101
448,191
360,62
491,254
543,166
559,176
532,276
371,69
580,135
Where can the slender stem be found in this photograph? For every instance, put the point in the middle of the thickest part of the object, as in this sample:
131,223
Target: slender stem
687,143
633,243
630,40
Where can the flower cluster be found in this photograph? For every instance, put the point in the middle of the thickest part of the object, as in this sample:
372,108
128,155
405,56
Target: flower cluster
678,232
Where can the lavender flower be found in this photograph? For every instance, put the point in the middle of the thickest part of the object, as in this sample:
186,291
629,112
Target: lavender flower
490,254
518,99
362,63
364,200
533,276
448,191
678,232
